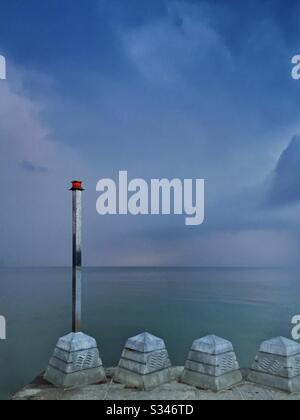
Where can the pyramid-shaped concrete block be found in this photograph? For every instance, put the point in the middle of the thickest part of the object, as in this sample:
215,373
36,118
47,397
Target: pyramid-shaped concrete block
212,345
76,341
277,365
212,364
75,362
145,343
280,346
145,363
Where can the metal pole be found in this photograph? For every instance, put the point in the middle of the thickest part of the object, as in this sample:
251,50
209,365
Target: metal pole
77,256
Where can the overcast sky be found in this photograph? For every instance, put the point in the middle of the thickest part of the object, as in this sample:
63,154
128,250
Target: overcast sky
161,88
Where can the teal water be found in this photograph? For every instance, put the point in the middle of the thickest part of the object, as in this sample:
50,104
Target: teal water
246,306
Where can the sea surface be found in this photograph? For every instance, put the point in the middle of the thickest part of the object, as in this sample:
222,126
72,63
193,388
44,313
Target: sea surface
245,306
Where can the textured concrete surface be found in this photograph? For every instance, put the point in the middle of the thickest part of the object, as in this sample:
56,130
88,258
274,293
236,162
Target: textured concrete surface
174,391
142,382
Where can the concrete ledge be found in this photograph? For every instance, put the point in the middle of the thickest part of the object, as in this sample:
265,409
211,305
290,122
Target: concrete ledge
40,390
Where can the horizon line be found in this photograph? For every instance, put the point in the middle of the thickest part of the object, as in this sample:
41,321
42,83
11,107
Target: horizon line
146,267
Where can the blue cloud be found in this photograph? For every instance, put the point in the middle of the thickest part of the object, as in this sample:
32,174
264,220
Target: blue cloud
31,167
285,184
167,88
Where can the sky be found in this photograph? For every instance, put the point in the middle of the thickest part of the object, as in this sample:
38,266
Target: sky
162,89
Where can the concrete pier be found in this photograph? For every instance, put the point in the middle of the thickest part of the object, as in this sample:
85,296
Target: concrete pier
39,390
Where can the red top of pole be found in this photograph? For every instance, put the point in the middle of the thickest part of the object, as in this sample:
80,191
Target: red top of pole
77,186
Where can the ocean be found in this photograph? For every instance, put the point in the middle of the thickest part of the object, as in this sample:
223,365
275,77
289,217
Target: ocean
180,305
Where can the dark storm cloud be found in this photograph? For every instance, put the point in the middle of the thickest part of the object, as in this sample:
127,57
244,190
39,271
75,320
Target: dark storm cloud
31,167
167,88
285,184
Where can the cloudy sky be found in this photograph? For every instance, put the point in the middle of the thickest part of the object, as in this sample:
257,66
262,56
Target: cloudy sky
161,88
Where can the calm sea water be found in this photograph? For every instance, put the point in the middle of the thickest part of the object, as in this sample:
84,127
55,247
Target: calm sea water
246,306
